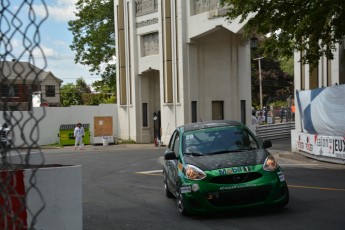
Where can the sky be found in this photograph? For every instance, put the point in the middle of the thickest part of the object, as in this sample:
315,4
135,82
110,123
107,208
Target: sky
54,38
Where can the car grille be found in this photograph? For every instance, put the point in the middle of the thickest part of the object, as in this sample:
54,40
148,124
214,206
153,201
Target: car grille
241,196
236,178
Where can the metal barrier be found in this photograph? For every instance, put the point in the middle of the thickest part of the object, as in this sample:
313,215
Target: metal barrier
275,131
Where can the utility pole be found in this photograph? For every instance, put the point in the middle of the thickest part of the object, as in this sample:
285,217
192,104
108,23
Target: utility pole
260,79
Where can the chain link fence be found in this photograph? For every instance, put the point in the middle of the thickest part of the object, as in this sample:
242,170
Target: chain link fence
19,43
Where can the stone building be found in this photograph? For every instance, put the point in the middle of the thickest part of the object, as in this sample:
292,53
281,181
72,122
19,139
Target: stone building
178,61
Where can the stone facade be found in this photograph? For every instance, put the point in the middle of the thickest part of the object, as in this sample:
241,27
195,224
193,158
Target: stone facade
179,61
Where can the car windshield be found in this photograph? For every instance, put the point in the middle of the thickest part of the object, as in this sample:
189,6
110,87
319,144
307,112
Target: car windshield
219,140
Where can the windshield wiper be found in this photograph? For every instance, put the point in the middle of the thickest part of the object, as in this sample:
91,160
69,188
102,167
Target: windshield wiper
194,154
228,151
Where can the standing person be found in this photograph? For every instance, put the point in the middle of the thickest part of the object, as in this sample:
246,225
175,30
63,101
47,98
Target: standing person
293,109
282,115
79,135
255,122
261,118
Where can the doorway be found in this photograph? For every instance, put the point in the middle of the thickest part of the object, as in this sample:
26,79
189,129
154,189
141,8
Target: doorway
217,110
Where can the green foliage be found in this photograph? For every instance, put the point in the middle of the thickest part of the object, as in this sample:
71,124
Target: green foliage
94,36
108,83
80,94
295,25
70,95
109,99
82,87
287,65
98,98
277,85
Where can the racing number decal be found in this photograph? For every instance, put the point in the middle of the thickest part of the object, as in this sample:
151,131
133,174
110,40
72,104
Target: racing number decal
189,136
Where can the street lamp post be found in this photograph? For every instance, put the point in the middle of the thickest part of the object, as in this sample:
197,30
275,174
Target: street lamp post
260,79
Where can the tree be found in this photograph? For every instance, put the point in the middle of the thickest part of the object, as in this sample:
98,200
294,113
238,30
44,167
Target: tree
81,94
94,36
108,83
70,96
98,98
294,25
277,85
82,87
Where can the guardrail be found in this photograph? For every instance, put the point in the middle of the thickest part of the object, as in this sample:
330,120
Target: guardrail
275,131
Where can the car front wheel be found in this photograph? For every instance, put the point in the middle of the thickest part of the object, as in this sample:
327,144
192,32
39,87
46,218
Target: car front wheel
181,204
166,188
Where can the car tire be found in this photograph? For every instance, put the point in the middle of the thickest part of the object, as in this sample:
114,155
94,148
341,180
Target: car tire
181,204
166,188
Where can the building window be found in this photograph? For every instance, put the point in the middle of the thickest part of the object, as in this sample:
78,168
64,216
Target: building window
9,90
243,111
50,90
194,112
145,119
143,7
150,44
217,110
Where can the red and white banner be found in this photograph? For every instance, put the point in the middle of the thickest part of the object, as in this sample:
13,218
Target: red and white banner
329,146
12,200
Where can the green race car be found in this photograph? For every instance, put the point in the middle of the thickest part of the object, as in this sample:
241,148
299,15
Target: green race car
219,166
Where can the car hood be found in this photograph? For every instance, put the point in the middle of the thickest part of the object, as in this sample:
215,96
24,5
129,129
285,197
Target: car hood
227,160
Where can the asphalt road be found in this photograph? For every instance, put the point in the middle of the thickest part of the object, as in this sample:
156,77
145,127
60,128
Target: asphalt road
123,189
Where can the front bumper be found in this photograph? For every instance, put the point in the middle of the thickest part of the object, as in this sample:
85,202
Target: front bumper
205,195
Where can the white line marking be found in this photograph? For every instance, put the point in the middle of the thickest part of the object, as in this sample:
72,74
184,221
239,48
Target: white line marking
151,172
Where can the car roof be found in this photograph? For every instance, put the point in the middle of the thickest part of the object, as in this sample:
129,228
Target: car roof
208,124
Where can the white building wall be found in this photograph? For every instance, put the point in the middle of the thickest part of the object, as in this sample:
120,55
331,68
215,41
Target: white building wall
42,124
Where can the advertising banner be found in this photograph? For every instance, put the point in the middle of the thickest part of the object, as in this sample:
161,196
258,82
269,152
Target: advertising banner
322,110
328,146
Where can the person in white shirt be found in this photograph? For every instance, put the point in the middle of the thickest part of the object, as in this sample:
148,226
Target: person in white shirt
78,135
261,118
255,122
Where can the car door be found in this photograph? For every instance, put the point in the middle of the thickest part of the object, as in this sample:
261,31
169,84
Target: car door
171,165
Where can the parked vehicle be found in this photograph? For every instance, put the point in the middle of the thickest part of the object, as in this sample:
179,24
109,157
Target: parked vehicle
7,137
220,165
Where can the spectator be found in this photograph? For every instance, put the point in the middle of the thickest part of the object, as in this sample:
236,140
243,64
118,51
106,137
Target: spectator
293,112
79,135
282,114
261,118
255,122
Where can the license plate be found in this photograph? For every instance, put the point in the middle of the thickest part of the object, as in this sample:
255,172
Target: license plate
186,189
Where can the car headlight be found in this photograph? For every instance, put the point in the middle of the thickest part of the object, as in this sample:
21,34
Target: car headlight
270,163
194,173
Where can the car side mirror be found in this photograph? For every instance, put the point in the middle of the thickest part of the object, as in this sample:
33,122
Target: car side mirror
267,144
170,155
